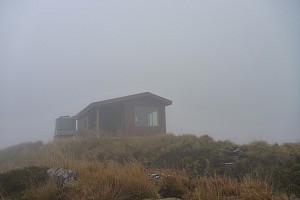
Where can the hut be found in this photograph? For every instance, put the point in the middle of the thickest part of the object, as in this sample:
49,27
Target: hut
138,114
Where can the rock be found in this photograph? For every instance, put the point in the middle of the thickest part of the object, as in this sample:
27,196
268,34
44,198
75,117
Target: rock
61,176
236,150
174,198
229,163
157,176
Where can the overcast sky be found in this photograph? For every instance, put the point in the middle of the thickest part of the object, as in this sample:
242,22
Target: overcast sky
232,68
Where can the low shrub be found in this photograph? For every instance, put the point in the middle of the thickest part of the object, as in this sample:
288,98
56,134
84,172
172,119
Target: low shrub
175,185
13,183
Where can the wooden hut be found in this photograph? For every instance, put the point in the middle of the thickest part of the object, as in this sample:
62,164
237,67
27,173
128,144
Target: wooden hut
138,114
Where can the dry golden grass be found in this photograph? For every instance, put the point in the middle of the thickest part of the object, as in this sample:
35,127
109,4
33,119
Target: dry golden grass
215,188
110,179
95,179
114,181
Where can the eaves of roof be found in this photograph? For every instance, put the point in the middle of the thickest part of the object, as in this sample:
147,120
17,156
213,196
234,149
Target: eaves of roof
164,101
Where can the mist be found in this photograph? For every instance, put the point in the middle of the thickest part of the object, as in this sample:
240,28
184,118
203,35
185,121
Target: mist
231,68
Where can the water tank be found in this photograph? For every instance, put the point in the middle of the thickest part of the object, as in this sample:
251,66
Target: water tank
65,125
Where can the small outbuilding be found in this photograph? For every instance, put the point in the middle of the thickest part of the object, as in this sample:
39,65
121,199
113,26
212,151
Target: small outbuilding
138,114
65,126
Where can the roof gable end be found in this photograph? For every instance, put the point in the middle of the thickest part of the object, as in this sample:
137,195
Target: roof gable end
164,101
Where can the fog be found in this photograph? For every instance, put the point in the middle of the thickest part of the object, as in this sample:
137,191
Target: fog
231,68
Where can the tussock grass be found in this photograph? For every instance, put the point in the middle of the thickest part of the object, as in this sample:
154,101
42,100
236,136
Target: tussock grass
96,180
215,188
117,168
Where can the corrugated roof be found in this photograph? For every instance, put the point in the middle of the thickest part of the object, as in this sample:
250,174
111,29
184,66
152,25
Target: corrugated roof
165,101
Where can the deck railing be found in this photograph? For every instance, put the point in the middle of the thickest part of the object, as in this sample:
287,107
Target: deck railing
65,133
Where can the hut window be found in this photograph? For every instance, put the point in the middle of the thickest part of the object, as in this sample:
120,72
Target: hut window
146,116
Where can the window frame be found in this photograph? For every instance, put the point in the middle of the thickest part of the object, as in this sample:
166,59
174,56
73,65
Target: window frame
146,115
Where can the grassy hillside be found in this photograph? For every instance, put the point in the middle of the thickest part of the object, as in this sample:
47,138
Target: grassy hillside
117,168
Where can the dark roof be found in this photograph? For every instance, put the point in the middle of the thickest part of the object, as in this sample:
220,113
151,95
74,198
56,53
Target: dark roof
164,101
